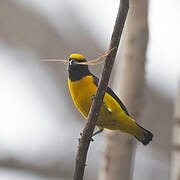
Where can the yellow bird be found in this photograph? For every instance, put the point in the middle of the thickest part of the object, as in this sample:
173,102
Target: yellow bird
113,114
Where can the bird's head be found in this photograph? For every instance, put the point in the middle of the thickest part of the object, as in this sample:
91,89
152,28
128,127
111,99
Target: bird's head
74,63
77,64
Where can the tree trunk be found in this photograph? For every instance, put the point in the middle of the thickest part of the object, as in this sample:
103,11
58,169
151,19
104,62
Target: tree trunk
175,163
128,83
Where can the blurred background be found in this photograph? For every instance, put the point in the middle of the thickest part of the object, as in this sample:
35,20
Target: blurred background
40,125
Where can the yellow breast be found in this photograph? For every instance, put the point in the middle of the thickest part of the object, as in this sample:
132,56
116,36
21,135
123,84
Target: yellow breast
82,92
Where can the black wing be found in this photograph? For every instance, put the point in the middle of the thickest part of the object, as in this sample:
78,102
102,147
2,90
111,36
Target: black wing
110,92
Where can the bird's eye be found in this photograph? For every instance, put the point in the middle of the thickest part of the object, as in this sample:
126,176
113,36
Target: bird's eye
70,62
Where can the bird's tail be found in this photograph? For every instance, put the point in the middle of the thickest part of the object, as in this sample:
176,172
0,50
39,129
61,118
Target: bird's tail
145,136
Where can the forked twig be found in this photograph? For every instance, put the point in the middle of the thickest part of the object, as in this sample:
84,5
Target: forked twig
90,62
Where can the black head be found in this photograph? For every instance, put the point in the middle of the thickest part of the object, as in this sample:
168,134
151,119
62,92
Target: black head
77,71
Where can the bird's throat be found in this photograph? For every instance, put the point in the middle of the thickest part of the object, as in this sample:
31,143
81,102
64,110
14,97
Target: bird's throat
77,74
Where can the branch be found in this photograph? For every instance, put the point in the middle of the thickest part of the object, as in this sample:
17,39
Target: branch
97,102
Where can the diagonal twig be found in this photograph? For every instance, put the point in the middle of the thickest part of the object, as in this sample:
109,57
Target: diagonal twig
97,102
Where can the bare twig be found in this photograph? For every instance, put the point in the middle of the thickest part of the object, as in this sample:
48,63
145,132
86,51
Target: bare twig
97,60
97,102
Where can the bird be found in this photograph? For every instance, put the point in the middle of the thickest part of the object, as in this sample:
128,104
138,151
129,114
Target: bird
113,113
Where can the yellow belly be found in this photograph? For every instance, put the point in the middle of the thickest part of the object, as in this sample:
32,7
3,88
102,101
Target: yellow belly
82,92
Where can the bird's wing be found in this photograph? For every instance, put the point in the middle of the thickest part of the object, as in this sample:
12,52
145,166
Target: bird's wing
110,92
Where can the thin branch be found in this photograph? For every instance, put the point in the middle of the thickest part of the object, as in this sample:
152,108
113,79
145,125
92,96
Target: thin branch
97,102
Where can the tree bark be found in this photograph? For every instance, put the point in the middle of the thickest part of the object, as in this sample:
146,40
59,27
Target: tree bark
175,161
129,84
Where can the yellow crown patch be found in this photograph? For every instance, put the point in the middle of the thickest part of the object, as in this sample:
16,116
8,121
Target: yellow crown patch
76,56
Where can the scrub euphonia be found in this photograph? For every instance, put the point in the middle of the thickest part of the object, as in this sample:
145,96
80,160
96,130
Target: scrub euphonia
113,114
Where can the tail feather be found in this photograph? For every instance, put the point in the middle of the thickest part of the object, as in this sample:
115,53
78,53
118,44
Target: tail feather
145,137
